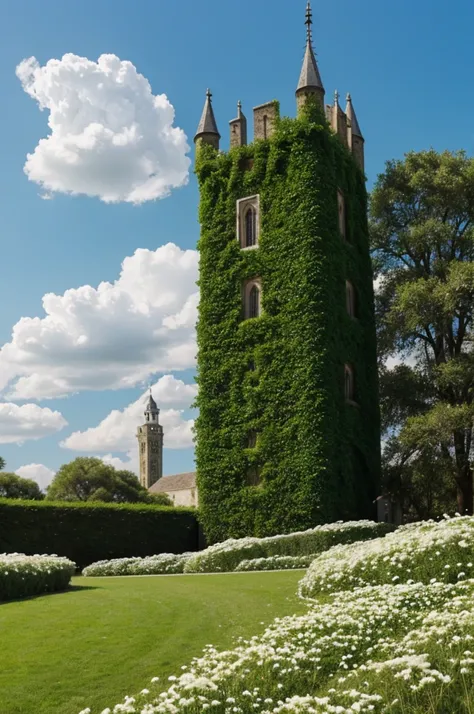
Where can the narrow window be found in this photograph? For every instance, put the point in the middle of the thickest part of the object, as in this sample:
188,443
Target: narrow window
341,207
252,439
250,227
349,383
254,302
253,476
265,126
350,300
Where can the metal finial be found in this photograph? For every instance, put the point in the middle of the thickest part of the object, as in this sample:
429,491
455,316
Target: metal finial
336,98
239,108
209,94
309,21
348,98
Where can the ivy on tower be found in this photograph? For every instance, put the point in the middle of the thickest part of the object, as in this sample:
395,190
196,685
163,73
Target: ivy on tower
288,433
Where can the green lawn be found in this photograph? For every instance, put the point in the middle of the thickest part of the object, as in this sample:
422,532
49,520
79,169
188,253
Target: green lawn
107,637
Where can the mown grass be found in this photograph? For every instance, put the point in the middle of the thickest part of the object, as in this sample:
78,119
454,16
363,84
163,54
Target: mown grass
107,637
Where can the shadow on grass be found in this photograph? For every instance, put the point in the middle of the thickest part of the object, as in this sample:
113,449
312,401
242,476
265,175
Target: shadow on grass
71,589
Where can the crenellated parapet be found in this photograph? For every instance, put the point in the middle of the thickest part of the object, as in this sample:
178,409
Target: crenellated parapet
310,88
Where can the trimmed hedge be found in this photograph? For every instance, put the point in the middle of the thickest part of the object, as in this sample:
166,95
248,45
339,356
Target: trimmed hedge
88,532
227,556
26,575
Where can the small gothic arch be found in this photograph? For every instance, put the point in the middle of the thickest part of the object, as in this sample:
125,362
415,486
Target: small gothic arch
351,302
341,211
250,227
252,439
349,386
248,222
252,299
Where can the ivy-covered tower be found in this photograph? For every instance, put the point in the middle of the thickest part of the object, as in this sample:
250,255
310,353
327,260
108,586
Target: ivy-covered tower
288,432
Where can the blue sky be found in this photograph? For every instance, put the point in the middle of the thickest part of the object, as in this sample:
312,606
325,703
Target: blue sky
407,65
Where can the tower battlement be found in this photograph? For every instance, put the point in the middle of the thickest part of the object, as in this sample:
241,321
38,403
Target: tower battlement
265,116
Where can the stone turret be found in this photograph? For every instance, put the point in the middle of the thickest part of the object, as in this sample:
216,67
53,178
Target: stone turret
355,140
207,131
238,128
310,83
339,120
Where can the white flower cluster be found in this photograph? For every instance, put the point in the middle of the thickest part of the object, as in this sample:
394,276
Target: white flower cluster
423,552
25,575
227,556
164,564
277,562
388,648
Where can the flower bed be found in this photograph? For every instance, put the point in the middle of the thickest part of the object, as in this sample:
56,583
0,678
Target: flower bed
226,556
164,564
422,552
396,649
26,575
400,648
276,562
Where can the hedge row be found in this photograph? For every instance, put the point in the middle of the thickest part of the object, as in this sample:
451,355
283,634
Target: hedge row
25,575
227,556
86,533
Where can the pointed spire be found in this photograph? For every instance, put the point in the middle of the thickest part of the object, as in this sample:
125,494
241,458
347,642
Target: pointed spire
151,405
336,98
309,77
207,128
352,119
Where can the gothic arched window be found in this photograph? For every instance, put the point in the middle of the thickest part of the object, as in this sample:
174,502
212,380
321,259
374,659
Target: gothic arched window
254,301
252,439
350,300
250,227
248,221
341,209
349,390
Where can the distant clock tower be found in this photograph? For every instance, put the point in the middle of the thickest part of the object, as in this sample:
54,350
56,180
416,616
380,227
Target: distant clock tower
150,445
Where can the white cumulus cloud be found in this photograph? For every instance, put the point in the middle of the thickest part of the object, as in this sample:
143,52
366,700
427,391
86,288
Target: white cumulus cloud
110,337
29,421
37,472
117,432
109,135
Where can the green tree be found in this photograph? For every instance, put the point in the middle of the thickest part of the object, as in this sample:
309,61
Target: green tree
90,479
13,486
2,463
422,238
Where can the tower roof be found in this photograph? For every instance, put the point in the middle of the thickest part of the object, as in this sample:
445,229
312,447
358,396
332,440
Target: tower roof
351,115
309,77
151,405
208,124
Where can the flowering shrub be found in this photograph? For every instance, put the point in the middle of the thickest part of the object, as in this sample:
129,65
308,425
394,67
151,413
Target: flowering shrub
164,564
421,552
226,556
25,575
391,648
277,562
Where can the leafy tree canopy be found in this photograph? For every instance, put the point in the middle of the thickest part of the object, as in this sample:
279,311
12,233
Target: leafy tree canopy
90,479
422,238
2,463
13,486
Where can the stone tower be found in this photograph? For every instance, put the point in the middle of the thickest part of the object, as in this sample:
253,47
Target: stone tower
150,445
288,433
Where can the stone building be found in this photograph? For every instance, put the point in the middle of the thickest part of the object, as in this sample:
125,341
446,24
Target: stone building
288,433
181,488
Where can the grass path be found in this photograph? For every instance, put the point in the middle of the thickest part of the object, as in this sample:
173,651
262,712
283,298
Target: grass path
108,637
